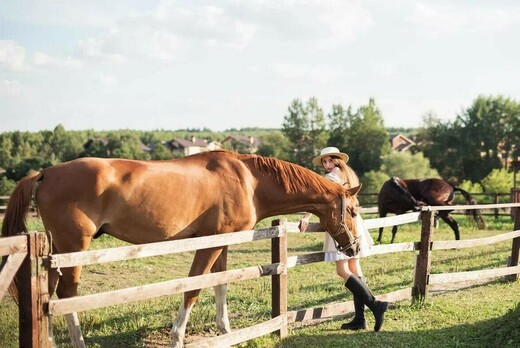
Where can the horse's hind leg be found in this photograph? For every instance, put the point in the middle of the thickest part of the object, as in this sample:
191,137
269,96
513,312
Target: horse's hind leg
72,319
202,264
79,231
220,295
76,336
452,223
394,232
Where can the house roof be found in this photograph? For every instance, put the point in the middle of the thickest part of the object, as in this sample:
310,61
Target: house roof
400,142
244,139
179,143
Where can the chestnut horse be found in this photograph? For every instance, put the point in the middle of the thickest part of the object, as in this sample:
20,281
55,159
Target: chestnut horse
149,201
398,196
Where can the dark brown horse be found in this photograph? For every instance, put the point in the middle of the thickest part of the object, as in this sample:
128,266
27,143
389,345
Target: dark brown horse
149,201
397,196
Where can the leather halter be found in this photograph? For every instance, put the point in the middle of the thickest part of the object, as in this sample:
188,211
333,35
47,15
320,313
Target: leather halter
344,228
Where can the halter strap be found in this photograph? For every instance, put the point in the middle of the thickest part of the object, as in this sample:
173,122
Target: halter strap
343,227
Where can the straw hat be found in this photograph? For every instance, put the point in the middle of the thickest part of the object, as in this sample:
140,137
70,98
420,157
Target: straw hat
329,151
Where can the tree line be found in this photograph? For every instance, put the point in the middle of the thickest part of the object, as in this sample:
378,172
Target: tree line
473,151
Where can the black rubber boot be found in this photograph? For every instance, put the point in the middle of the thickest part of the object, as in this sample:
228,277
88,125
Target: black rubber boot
358,323
378,308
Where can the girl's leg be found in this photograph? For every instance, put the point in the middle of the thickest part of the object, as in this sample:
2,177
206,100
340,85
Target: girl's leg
346,269
361,291
355,267
342,269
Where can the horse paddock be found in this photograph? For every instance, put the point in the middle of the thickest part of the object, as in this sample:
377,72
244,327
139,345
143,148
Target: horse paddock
309,285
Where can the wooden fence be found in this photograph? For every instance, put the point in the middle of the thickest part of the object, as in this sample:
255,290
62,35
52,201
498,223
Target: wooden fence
31,253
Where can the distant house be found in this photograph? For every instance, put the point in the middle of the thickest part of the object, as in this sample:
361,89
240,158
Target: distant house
185,147
400,143
241,143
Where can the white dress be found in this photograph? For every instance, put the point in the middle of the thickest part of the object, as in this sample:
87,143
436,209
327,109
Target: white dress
365,239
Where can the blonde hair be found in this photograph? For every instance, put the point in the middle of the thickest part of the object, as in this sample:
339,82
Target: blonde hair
348,175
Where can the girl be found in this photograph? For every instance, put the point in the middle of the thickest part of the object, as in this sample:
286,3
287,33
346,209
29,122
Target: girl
348,268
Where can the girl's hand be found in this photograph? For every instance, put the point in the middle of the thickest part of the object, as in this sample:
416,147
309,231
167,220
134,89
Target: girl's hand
304,223
336,171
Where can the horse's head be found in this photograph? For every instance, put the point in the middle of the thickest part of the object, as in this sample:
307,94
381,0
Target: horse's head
341,223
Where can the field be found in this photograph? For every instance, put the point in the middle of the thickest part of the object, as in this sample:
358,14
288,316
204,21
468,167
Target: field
479,316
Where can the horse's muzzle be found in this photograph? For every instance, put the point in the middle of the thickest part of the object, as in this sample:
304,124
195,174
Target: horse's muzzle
351,249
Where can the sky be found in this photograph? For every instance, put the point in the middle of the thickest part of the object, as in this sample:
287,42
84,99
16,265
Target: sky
169,65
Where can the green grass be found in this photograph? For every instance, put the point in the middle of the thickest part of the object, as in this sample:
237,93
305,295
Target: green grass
481,316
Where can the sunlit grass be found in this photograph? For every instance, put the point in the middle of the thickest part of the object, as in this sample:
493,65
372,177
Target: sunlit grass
476,317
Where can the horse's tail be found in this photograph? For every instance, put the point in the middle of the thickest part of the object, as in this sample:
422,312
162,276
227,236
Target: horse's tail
16,213
475,213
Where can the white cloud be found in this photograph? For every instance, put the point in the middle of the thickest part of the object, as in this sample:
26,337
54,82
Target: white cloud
162,44
486,20
206,24
10,88
41,59
313,74
108,80
439,19
12,56
344,21
384,69
91,47
65,13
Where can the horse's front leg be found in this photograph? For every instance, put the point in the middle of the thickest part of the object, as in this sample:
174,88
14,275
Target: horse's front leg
380,236
221,295
382,214
202,263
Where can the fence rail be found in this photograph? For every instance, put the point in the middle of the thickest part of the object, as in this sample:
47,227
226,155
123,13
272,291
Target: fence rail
36,307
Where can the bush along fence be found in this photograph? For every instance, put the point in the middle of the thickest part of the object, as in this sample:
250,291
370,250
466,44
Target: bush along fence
28,259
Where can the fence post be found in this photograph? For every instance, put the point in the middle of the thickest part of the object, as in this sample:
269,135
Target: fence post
515,198
423,261
515,248
33,290
279,281
497,201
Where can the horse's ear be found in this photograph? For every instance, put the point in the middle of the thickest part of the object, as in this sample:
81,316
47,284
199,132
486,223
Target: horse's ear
354,190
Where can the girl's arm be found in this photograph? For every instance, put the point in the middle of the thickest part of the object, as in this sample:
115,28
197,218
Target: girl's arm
304,222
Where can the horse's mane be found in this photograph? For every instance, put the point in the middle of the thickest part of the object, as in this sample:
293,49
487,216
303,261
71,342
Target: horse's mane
292,177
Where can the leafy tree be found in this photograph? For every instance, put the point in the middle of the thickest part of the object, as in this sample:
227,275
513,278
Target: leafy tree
65,145
367,140
275,145
339,122
160,152
318,132
127,146
24,167
408,166
471,187
6,186
482,138
372,182
6,151
96,147
499,180
296,122
305,128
